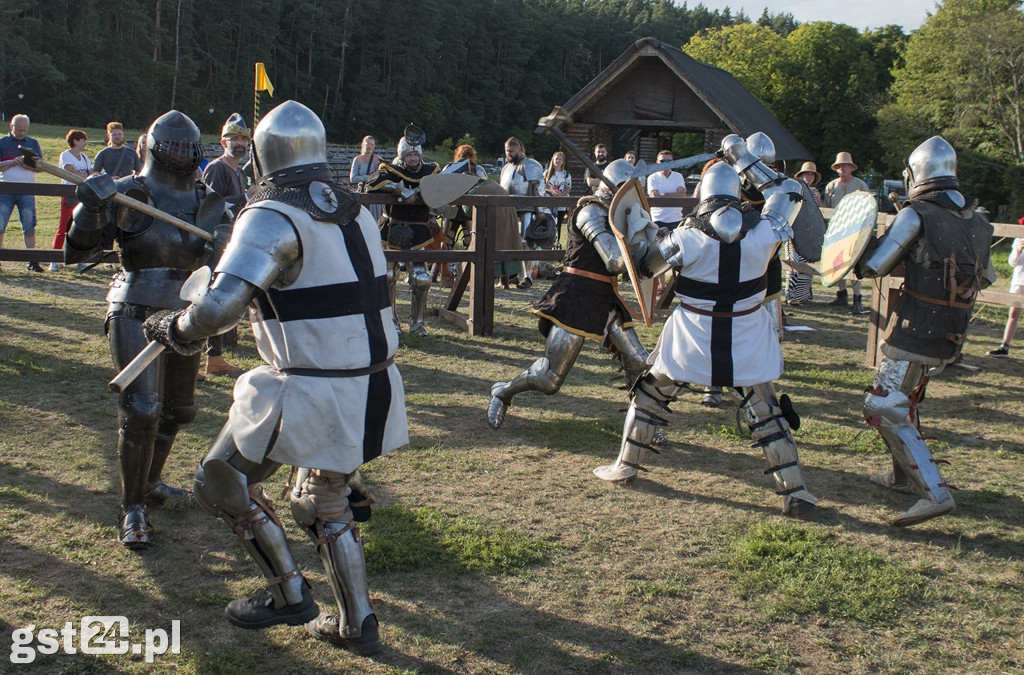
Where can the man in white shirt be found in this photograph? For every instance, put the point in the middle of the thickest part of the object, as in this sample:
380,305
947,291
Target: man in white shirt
666,183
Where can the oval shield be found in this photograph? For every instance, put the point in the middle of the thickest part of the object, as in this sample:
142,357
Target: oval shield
849,231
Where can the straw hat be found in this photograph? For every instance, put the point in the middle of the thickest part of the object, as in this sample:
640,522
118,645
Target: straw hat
844,158
810,167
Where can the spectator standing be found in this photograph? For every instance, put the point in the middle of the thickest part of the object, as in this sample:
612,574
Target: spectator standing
140,148
667,183
224,176
630,157
798,284
364,166
558,183
834,192
601,160
74,160
1016,261
14,170
117,159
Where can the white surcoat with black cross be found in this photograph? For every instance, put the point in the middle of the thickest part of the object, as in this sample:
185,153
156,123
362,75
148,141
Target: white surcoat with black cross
720,334
317,335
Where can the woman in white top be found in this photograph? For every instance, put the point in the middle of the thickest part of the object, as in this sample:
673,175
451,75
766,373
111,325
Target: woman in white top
75,161
364,167
558,183
1016,260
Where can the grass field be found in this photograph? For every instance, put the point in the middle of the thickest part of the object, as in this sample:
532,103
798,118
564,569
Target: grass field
499,552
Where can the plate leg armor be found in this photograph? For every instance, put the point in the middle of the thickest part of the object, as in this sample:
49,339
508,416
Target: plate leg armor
419,283
770,430
650,399
179,408
629,350
228,485
890,407
546,375
320,505
138,417
393,290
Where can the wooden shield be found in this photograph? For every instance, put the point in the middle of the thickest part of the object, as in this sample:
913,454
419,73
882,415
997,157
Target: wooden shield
848,234
631,195
444,188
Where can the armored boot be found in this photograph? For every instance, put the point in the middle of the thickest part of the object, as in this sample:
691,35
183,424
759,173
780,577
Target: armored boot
545,375
320,503
419,281
712,397
288,598
136,437
857,307
640,428
769,421
888,408
840,300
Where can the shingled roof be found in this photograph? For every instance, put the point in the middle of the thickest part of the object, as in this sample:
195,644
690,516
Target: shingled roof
655,86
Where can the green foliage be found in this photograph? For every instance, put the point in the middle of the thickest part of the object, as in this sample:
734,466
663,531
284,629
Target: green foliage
402,539
796,569
963,78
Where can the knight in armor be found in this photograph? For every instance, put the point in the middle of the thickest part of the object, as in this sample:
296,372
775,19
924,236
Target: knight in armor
721,334
156,258
304,258
944,244
583,302
522,175
410,224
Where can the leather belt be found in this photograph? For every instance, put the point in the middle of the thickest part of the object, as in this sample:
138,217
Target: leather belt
718,315
614,281
355,372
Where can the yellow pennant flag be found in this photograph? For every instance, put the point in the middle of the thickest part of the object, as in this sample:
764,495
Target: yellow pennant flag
262,81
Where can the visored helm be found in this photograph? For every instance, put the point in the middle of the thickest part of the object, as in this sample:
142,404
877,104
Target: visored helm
931,166
289,136
762,147
719,186
618,171
175,143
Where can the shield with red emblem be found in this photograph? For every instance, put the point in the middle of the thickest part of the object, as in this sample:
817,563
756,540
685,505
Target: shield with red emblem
849,231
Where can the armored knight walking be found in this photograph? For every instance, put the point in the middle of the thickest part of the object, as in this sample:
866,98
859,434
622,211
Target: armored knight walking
944,244
156,258
305,258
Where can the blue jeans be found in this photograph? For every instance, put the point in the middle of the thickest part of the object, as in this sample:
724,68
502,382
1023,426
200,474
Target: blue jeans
26,212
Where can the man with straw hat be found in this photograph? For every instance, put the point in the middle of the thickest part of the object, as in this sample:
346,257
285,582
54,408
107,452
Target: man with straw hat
834,192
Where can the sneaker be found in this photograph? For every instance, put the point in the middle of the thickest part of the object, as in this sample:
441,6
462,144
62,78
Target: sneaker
54,267
257,611
34,267
1001,353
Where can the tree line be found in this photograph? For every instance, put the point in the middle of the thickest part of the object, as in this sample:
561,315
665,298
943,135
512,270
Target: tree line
487,69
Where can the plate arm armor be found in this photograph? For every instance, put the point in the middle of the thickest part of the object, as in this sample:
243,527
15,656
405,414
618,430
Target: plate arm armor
263,247
593,224
782,195
659,257
892,246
